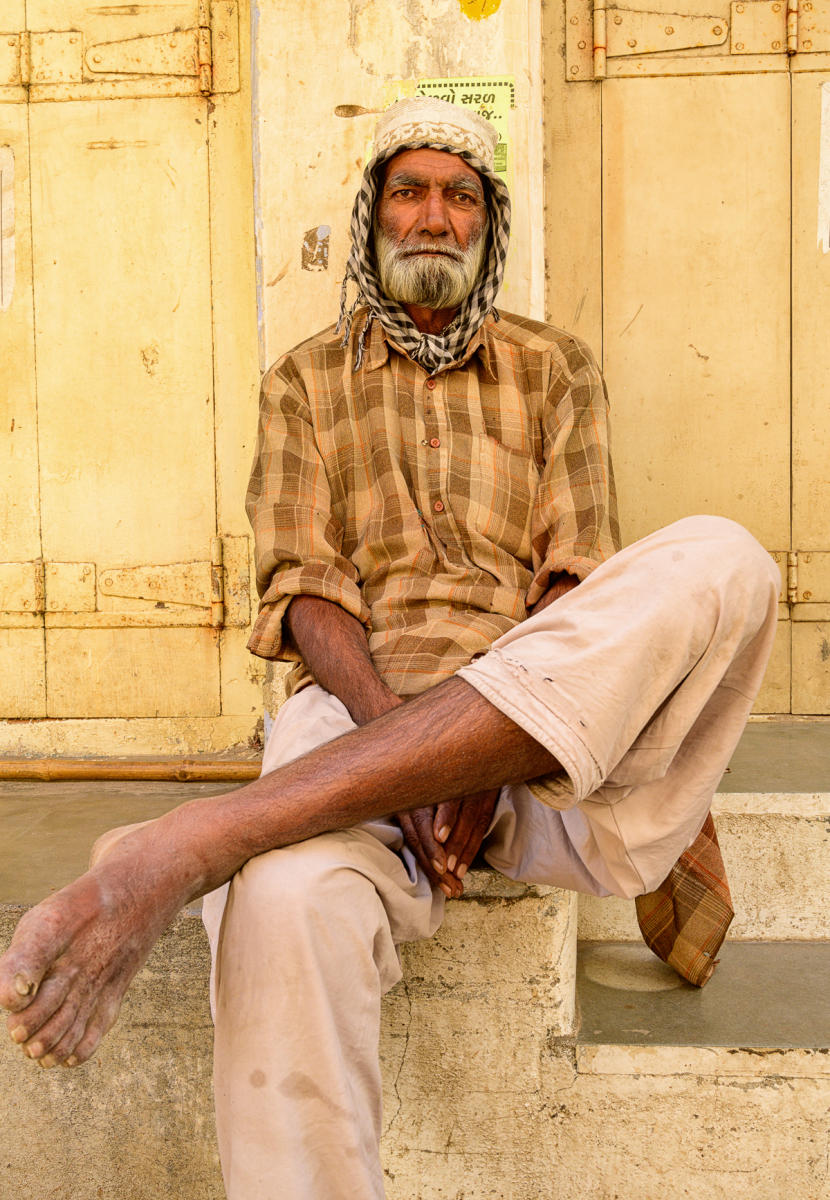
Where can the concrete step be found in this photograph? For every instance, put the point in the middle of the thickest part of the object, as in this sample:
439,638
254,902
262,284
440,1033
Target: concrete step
658,1090
773,817
496,1087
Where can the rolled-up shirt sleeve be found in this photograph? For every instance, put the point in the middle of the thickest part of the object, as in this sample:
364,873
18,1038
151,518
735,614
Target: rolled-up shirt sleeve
574,525
297,539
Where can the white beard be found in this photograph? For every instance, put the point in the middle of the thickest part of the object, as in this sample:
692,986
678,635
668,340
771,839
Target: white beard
429,280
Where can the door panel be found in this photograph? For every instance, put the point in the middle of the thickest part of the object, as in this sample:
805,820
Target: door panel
716,279
129,672
123,330
22,671
124,610
696,324
811,404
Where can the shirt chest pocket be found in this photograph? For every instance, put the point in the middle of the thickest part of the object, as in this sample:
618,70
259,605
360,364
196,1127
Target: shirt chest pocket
503,485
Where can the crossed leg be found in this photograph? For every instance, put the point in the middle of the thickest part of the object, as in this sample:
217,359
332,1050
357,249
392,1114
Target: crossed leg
73,956
686,614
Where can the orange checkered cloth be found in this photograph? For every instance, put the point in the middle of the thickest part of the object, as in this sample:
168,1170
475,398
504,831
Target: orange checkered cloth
685,920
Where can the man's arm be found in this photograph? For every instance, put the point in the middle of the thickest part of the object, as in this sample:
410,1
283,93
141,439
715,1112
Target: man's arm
334,647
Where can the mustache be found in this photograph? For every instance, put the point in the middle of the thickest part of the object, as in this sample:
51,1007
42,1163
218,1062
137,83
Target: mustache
429,248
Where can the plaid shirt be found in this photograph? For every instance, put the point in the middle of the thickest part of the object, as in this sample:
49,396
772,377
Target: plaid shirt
433,509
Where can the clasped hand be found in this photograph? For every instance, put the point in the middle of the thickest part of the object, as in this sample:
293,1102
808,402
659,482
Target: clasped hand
446,837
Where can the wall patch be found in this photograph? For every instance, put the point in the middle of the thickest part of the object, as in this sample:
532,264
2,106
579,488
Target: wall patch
315,254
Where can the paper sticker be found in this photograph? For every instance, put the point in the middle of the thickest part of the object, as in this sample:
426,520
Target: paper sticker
6,226
824,172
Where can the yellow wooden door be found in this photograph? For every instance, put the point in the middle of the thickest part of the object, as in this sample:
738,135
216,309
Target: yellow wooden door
129,377
693,140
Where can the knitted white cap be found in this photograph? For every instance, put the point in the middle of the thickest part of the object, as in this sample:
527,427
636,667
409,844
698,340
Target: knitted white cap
426,119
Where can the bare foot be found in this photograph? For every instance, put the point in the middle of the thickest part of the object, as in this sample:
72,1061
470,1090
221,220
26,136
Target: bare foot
73,956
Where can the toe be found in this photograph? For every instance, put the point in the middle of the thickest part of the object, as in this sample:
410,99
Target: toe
99,1024
73,1012
23,1025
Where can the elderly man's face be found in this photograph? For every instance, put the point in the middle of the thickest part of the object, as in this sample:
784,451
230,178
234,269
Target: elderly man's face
430,229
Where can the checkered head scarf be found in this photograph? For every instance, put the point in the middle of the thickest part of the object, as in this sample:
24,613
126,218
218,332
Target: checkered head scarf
426,123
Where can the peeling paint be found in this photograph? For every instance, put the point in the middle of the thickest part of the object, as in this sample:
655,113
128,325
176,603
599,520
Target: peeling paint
6,226
315,251
477,10
824,172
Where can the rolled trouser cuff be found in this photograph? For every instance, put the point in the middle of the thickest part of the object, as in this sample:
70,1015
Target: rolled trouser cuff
530,701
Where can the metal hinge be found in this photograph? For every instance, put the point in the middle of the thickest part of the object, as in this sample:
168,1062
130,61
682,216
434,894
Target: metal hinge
792,577
597,32
770,26
207,52
214,592
187,52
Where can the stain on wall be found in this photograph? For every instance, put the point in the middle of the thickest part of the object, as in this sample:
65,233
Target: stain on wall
315,252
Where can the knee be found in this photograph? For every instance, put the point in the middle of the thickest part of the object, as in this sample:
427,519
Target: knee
722,550
299,886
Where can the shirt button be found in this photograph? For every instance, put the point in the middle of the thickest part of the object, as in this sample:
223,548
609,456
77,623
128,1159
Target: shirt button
430,384
435,443
438,506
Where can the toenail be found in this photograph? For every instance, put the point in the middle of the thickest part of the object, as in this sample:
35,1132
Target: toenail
35,1050
19,1035
24,986
71,1061
46,1062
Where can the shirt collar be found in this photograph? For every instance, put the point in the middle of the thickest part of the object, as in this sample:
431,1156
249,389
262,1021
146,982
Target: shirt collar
378,346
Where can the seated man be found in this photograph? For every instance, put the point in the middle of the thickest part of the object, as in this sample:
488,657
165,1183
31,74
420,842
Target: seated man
435,523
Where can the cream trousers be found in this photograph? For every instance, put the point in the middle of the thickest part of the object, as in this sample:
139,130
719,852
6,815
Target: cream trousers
639,681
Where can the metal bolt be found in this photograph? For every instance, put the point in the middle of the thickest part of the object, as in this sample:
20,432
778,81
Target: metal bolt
776,8
808,45
669,30
739,45
574,70
96,58
776,45
808,595
618,20
739,8
107,583
632,42
581,45
717,31
172,43
574,20
13,41
808,7
73,41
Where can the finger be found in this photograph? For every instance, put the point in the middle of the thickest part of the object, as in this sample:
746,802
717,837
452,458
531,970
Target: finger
449,885
423,819
412,837
483,817
469,831
446,815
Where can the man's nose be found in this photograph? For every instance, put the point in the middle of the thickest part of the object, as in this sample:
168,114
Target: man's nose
434,215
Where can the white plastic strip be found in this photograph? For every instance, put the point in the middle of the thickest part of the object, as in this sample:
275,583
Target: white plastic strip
6,226
824,172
